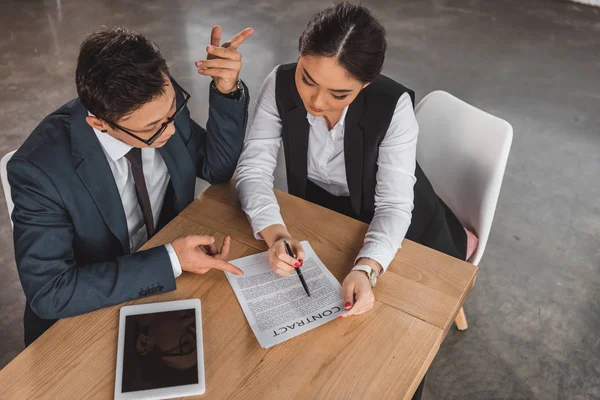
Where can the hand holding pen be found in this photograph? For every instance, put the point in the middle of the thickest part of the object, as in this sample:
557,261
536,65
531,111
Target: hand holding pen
288,250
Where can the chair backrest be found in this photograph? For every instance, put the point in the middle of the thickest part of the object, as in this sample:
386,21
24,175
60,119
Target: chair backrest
463,151
5,185
200,187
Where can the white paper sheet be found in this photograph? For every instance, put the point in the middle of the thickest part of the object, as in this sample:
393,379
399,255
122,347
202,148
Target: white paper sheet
277,308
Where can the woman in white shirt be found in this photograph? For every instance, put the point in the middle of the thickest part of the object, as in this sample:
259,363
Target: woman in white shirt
349,136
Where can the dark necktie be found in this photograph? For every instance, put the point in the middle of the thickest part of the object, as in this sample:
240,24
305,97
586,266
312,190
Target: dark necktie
135,159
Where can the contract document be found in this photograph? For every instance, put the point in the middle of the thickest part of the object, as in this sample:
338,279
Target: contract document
277,308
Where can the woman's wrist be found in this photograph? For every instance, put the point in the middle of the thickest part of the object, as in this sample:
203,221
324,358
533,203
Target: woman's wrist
371,263
273,233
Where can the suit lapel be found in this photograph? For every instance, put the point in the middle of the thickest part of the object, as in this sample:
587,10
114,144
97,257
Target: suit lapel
181,170
97,176
353,151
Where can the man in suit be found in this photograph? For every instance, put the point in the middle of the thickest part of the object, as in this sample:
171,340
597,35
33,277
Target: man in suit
99,176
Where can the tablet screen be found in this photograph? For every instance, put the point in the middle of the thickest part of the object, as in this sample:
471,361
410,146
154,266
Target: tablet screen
160,350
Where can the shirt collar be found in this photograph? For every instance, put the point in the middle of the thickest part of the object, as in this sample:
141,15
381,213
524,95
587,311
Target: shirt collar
113,147
313,120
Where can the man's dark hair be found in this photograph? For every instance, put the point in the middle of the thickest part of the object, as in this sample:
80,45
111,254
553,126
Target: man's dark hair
118,71
350,34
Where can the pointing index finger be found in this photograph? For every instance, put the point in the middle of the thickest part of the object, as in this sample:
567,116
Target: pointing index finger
240,37
225,266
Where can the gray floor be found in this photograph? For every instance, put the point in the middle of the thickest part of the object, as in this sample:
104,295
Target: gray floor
534,313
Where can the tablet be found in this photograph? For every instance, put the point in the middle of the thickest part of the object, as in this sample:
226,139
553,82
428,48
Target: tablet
160,352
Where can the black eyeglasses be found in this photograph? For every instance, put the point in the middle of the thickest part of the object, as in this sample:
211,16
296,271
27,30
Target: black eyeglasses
148,142
187,345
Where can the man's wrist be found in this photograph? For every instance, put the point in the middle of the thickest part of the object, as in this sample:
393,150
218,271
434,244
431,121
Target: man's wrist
235,93
175,263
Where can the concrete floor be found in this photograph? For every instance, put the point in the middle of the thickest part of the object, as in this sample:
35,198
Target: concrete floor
534,313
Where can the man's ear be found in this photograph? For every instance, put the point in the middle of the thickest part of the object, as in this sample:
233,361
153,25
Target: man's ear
96,123
144,344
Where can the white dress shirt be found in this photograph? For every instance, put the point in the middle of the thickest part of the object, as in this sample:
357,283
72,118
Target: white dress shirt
326,168
157,179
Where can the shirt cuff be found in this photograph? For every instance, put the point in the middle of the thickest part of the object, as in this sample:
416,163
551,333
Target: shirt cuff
236,95
267,217
377,252
175,264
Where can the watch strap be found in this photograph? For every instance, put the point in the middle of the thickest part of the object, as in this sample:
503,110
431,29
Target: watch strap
371,273
235,95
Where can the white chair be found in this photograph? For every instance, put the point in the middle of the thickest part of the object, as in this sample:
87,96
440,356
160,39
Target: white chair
5,185
201,186
463,151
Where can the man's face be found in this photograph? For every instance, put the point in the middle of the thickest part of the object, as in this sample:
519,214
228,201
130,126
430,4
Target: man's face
165,335
169,334
145,121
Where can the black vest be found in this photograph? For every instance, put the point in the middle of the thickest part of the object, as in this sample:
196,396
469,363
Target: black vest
367,121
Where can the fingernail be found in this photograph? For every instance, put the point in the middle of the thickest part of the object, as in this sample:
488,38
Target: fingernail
348,305
212,239
298,264
339,316
199,63
301,262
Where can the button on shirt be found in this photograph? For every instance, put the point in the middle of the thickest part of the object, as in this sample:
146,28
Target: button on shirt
157,179
326,168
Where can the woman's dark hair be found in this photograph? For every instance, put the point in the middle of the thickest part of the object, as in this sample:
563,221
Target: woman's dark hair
350,34
118,71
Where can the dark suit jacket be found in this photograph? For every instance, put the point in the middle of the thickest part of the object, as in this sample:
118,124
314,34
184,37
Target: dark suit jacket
70,232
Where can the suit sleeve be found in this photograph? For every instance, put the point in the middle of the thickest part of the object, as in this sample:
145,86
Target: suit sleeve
219,146
55,285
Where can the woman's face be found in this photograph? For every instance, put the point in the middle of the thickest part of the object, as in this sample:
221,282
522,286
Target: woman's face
324,85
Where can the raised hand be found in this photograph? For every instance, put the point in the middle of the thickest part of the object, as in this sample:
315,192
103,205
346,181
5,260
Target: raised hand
223,62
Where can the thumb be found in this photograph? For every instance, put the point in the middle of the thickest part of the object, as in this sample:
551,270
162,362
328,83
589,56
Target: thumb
348,291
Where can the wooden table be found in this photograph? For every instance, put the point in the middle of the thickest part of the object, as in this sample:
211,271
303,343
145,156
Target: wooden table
382,354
